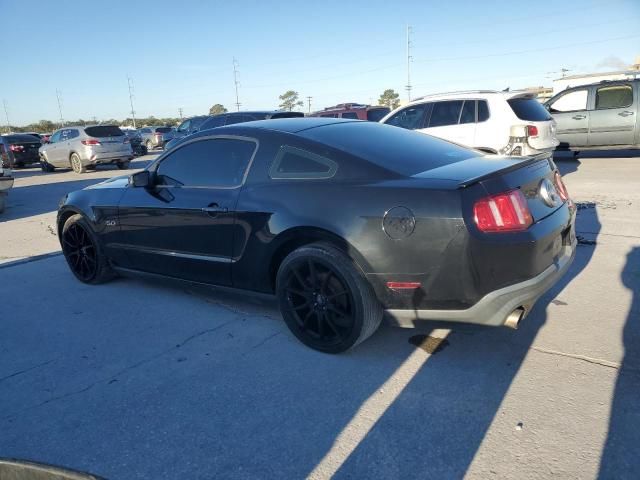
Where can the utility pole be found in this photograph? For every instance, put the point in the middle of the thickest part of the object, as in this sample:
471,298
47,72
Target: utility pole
180,113
60,107
564,72
409,58
309,102
236,81
133,113
6,113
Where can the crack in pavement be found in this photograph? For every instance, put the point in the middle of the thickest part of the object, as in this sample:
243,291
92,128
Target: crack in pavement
15,374
122,371
595,361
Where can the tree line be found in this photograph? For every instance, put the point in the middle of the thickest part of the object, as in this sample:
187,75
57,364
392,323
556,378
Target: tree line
288,101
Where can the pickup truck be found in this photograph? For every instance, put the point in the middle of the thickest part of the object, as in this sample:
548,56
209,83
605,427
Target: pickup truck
600,115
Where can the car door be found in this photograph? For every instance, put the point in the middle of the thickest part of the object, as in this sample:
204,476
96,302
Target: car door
446,121
51,150
182,226
613,118
572,117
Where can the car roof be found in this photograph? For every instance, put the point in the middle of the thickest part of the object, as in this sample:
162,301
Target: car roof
472,94
290,125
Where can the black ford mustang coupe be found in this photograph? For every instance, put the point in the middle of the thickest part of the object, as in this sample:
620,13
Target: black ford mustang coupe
345,221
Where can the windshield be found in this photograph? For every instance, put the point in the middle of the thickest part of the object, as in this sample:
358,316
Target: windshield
529,109
396,149
104,131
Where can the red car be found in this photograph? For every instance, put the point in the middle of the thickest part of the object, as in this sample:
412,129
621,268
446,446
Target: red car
355,111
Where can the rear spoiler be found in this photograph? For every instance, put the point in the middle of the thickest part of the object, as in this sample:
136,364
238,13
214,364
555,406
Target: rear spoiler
526,161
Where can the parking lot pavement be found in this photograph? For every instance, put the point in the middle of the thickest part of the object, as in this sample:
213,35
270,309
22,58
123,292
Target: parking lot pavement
134,379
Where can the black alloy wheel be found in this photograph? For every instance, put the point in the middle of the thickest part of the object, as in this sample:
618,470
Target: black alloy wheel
324,299
83,252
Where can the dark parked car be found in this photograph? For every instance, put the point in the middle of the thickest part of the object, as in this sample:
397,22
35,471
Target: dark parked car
19,149
187,127
342,220
220,120
354,111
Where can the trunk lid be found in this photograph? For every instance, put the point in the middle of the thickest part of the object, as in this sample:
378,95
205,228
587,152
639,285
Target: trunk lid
111,139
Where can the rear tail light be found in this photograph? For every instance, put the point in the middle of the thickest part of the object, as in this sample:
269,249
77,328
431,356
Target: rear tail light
16,148
560,186
90,141
403,285
532,131
506,212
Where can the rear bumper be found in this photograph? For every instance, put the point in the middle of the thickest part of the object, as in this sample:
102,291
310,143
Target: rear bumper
495,307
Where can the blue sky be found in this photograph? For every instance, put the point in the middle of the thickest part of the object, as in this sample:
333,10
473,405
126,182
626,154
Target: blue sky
179,53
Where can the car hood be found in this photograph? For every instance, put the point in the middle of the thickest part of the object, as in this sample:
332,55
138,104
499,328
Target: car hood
474,169
115,182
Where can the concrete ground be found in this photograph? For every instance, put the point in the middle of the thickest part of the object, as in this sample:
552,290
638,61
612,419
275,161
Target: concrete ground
141,380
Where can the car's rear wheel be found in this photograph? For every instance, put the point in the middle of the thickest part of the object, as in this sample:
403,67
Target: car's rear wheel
123,165
325,300
3,197
76,163
83,251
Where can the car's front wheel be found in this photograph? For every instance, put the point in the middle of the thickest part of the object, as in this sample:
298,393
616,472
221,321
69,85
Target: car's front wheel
325,300
83,252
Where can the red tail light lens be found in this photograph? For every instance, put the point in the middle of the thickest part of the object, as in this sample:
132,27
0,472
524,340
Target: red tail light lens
90,141
532,131
560,186
403,285
506,212
16,148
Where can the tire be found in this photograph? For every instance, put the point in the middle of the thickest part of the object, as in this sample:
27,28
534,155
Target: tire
46,166
83,252
76,163
20,165
123,165
325,300
3,201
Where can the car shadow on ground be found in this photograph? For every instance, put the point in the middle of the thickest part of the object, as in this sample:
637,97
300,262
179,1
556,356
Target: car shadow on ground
622,448
33,200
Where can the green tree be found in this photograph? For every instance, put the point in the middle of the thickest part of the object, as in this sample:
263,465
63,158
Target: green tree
290,100
217,109
389,98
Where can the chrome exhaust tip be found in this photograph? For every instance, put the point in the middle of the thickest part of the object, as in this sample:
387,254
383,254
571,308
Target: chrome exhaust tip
513,319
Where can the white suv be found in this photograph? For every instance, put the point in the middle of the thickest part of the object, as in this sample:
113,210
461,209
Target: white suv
507,123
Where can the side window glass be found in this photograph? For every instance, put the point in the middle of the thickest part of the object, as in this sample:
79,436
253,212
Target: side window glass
615,96
468,114
570,102
409,118
217,162
74,134
353,115
292,162
483,111
55,137
445,113
184,126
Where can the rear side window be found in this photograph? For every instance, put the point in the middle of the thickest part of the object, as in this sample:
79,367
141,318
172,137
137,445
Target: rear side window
615,96
468,114
353,115
528,109
483,111
287,115
330,115
292,162
445,113
104,131
570,102
213,122
217,162
231,119
410,117
376,114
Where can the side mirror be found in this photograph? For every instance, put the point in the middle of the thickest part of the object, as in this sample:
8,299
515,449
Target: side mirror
141,179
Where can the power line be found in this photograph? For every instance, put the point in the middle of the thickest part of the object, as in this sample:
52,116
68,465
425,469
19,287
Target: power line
236,81
58,94
133,113
6,113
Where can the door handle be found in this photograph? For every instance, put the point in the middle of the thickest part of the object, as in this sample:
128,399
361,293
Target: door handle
215,208
579,117
626,113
